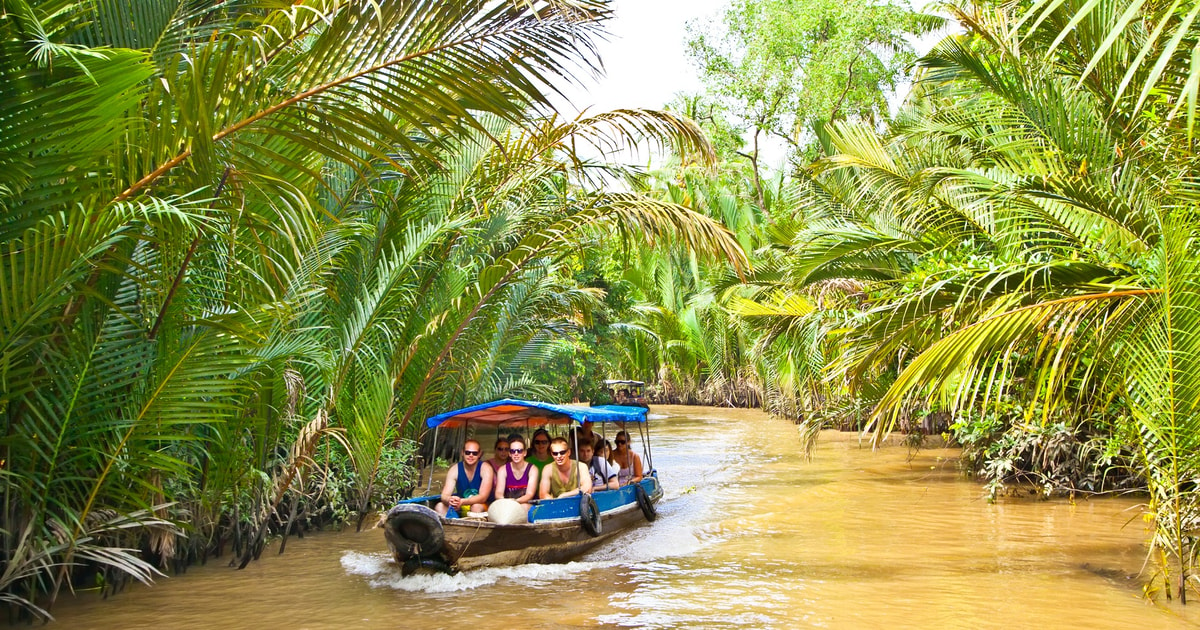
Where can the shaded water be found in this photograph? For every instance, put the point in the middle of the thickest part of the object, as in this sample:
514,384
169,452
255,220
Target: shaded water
749,535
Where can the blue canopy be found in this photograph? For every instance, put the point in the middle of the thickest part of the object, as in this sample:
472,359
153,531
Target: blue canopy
519,413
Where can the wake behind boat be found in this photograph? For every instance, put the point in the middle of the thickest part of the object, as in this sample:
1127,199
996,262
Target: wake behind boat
557,529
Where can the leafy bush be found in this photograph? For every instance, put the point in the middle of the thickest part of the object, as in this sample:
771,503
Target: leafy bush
1011,445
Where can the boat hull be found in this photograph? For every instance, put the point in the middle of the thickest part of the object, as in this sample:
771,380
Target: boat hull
555,535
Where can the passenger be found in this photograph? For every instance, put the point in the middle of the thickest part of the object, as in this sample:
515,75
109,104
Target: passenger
567,477
499,455
628,461
540,456
469,484
574,439
517,479
604,474
603,448
584,434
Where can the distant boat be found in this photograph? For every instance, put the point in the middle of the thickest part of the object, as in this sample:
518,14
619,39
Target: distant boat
558,529
626,392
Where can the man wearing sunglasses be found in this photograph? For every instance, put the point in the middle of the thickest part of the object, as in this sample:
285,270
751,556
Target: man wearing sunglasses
468,484
565,477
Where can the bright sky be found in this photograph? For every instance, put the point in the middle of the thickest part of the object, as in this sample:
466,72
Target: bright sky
645,60
646,63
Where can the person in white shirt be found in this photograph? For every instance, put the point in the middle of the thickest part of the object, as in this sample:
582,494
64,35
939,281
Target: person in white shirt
604,474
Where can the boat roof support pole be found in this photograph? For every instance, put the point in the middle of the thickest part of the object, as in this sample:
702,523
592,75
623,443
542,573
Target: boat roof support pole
644,430
429,488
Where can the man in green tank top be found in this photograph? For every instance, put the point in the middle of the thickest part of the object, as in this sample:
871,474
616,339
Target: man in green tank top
565,477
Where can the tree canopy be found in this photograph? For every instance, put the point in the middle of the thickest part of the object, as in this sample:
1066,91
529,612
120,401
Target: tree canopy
787,67
245,247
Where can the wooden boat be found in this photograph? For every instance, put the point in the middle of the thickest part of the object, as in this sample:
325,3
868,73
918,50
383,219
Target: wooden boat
558,529
626,392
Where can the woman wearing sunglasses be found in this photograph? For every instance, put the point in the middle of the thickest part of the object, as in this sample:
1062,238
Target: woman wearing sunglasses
566,477
499,455
629,463
517,478
540,455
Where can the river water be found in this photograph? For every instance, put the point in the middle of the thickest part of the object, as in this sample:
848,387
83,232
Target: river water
749,535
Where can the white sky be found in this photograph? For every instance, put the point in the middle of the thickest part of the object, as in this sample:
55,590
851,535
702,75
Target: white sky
645,60
646,64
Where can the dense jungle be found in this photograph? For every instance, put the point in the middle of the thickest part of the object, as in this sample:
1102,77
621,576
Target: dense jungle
247,246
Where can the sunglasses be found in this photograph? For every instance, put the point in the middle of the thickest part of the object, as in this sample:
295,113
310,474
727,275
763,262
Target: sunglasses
465,452
504,450
541,441
558,453
622,441
516,451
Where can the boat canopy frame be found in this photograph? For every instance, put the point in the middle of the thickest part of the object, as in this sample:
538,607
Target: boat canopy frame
521,414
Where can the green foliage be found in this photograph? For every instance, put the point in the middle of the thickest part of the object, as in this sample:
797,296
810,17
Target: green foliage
246,248
338,488
1065,456
675,331
1018,248
787,67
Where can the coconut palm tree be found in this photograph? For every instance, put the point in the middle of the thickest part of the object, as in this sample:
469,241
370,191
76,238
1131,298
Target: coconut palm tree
446,325
1022,230
218,250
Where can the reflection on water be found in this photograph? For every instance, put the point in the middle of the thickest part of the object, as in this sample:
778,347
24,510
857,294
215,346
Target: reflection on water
749,535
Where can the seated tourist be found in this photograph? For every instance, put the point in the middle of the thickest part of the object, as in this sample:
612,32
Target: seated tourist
468,484
540,453
517,479
603,448
630,465
565,477
604,474
584,433
574,440
499,455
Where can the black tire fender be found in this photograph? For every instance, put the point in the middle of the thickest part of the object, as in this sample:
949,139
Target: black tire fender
418,528
644,502
589,515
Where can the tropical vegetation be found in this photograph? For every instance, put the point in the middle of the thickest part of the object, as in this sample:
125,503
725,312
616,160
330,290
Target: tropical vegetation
1010,258
247,246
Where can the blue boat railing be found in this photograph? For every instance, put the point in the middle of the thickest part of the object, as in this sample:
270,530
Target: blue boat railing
549,509
430,499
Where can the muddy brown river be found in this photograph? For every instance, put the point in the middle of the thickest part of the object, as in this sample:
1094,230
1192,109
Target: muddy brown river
749,535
